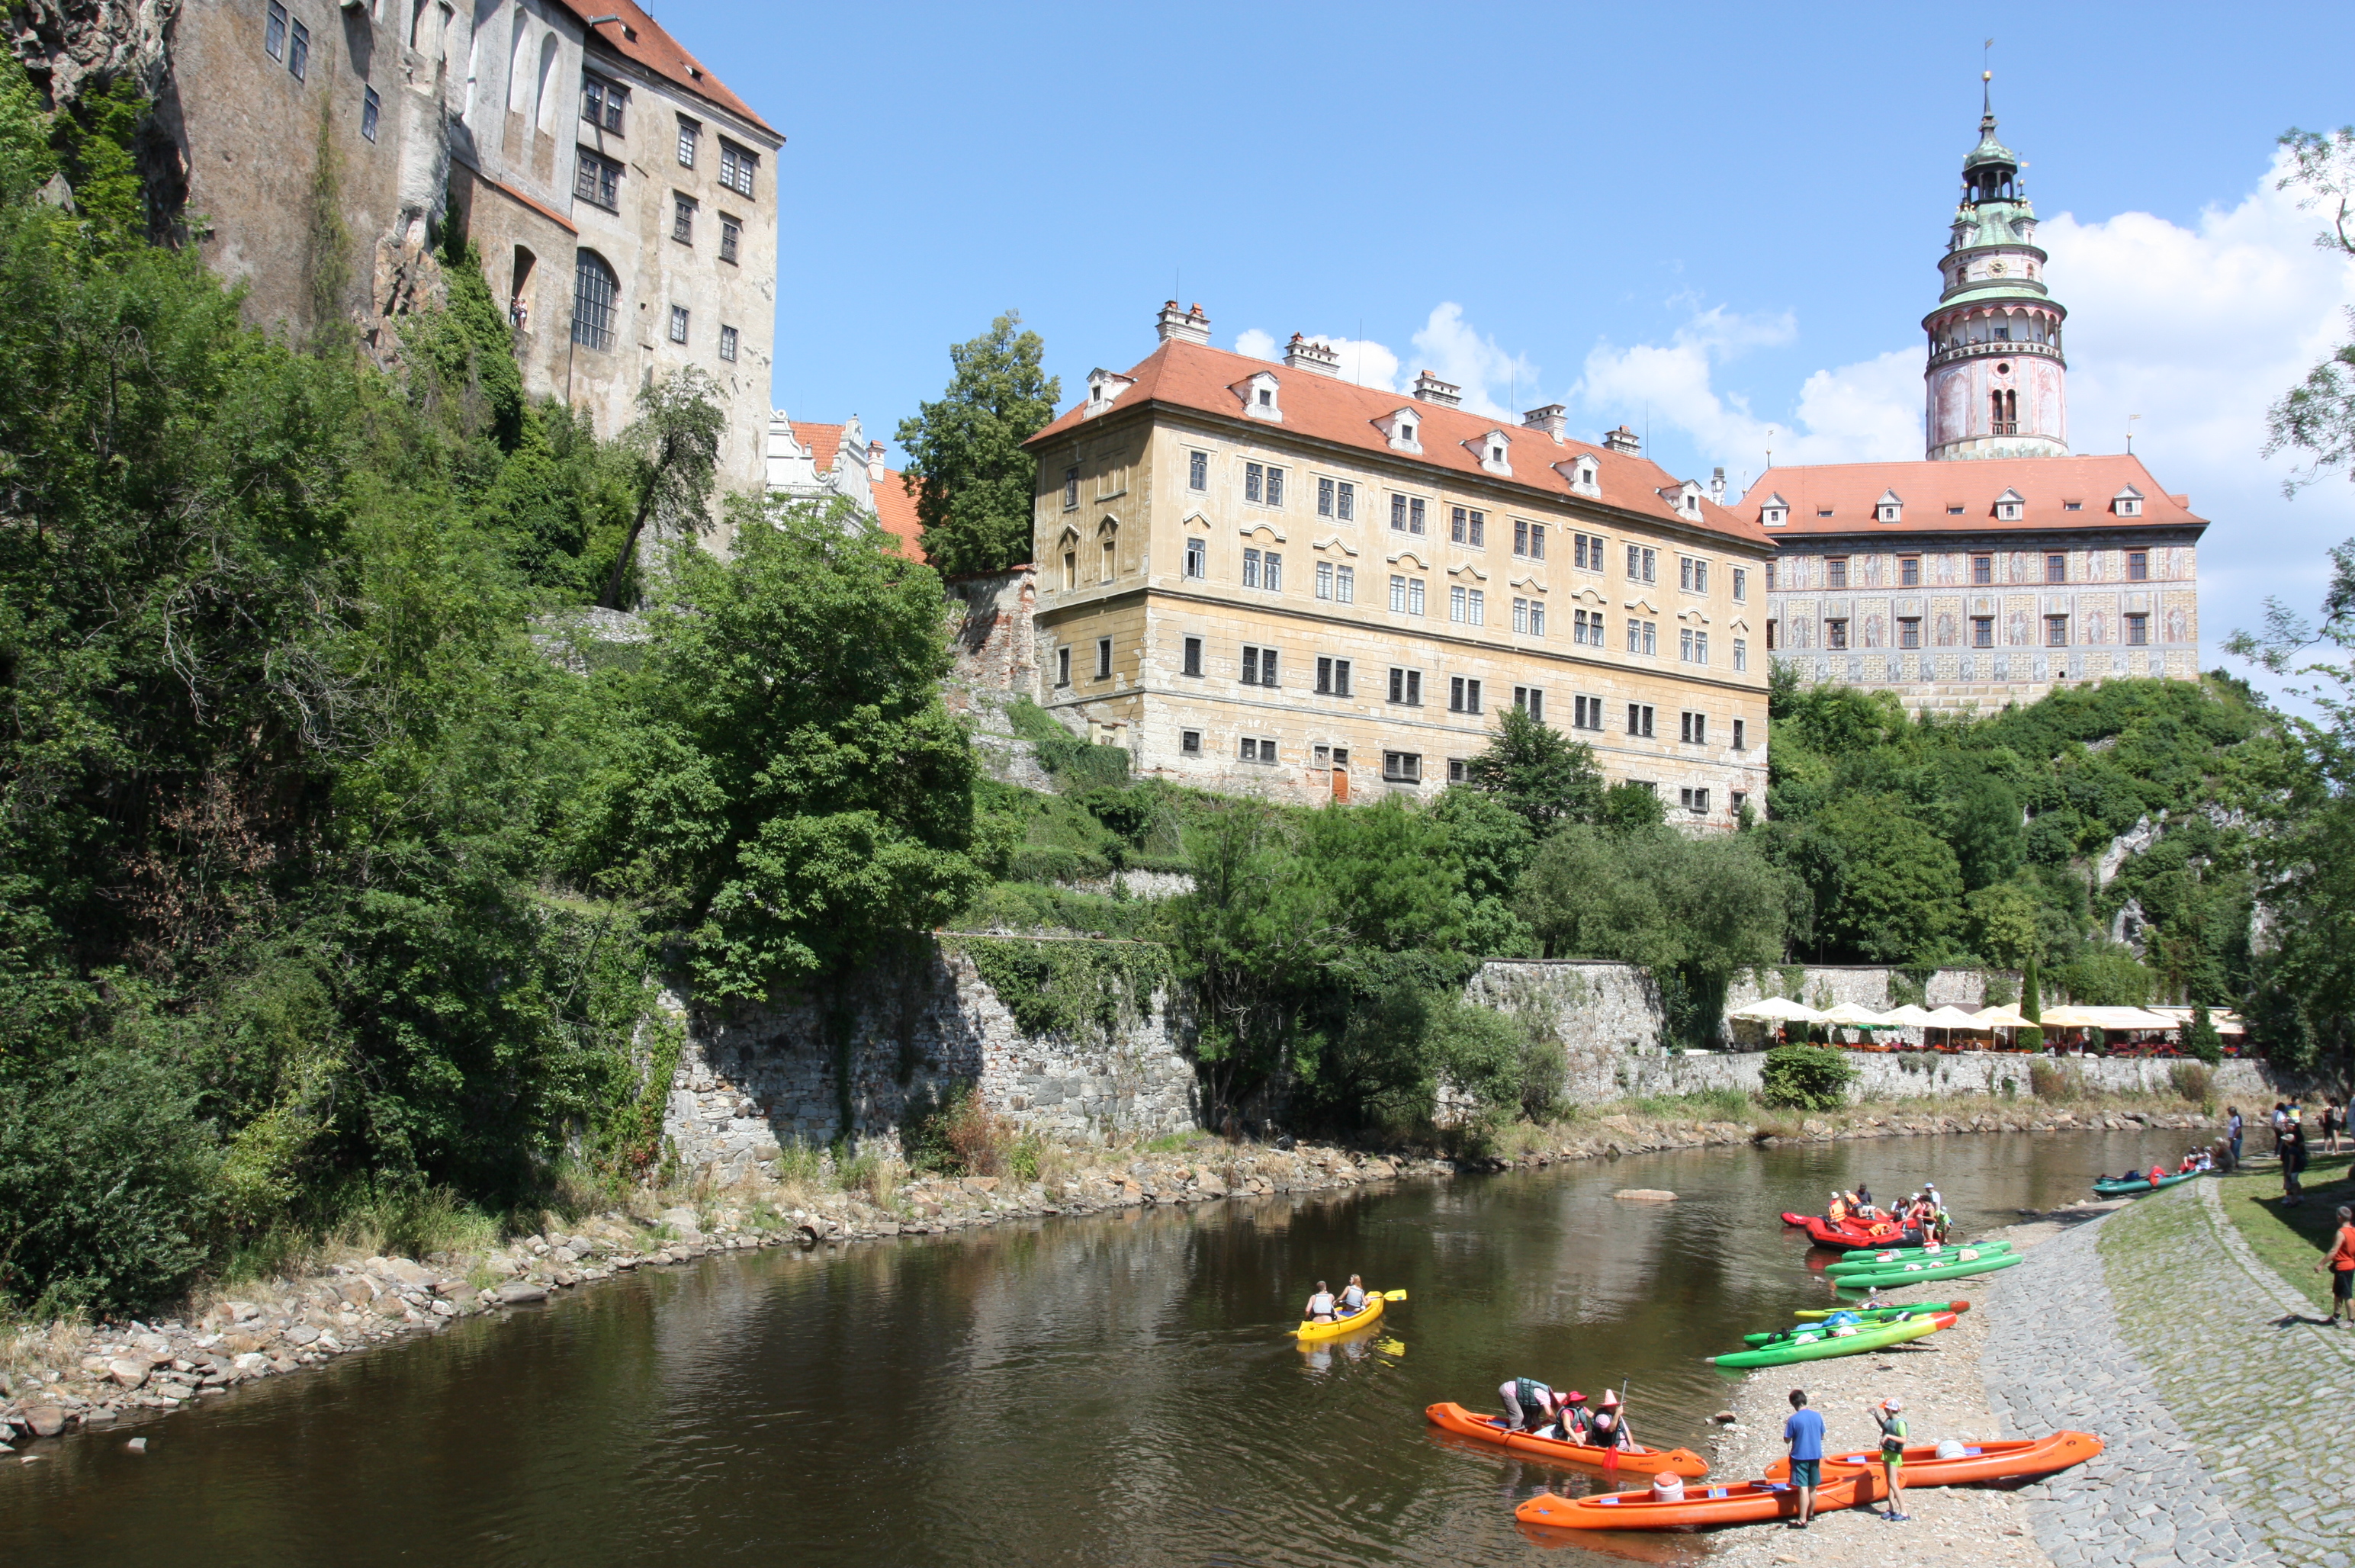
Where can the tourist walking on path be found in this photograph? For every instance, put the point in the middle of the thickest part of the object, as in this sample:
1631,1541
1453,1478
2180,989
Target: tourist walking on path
2341,1261
1890,1414
1804,1431
2292,1147
2333,1121
2281,1120
2233,1126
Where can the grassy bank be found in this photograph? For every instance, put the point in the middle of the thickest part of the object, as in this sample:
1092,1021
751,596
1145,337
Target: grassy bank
2290,1240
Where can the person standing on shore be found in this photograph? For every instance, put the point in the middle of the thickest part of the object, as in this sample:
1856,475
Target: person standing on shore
1891,1414
2233,1126
2333,1120
2291,1145
1803,1432
2341,1263
2281,1120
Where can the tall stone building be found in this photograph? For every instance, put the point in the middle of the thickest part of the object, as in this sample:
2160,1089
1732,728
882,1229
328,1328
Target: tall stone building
623,199
2001,565
1256,576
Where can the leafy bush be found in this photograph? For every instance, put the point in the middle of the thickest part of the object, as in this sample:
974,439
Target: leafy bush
2053,1081
109,1196
2192,1081
1805,1078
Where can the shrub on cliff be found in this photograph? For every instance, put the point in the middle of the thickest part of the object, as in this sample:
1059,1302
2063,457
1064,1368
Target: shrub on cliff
1805,1078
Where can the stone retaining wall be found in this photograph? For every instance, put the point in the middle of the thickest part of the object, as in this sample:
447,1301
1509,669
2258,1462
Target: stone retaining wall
748,1085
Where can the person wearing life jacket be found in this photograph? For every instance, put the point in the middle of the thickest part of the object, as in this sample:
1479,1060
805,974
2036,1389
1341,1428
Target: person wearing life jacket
1836,1212
1569,1420
1890,1414
1609,1428
1353,1299
1321,1305
2157,1174
1529,1403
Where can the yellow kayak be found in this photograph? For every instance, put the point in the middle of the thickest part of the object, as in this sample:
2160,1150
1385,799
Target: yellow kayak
1349,1324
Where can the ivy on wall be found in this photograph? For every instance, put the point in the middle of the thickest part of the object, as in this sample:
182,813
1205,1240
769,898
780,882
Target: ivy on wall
1078,989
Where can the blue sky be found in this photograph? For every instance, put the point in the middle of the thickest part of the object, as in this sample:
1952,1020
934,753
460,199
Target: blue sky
1707,222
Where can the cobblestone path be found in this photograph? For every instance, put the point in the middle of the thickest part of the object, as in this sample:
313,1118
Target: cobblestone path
2243,1363
2056,1358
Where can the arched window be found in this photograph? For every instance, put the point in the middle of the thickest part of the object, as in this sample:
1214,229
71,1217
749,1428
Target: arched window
519,67
596,298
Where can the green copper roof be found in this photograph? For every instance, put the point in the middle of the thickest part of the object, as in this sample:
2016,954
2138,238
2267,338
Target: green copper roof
1989,149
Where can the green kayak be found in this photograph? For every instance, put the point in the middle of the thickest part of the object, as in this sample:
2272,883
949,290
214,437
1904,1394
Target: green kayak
1817,1344
1879,1313
1914,1254
1923,1274
2108,1187
1930,1260
1866,1318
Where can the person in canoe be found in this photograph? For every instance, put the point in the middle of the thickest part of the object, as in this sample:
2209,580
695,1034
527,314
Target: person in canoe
1891,1414
1321,1305
1529,1403
1861,1201
1353,1299
1572,1424
1609,1427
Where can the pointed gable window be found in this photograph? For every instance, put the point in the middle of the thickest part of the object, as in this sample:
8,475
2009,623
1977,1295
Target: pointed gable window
1684,497
1889,508
1775,511
1583,473
2011,505
2127,503
1495,451
1260,400
1400,428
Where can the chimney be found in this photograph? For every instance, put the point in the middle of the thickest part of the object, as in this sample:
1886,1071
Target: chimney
1717,487
1303,354
875,463
1190,326
1622,440
1552,419
1430,388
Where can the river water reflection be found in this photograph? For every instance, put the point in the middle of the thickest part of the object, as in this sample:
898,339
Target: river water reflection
1109,1391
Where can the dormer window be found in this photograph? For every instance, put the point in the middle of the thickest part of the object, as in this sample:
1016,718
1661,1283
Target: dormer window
2011,506
1260,398
1583,473
1889,508
1775,512
1105,386
1494,450
2127,503
1685,498
1400,428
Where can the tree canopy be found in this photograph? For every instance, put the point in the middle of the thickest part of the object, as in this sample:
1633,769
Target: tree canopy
973,484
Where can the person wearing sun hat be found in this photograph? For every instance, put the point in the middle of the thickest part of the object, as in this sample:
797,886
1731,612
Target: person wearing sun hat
1571,1421
1609,1427
1890,1414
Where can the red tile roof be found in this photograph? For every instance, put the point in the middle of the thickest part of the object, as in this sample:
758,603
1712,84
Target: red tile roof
896,510
660,53
823,440
1929,490
1321,408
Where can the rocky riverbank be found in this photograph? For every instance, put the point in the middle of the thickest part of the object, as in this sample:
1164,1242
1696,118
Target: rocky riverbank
69,1375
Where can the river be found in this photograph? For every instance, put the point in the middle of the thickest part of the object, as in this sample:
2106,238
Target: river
1114,1389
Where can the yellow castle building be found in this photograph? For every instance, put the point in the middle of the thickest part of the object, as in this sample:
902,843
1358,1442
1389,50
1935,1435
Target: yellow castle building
1257,576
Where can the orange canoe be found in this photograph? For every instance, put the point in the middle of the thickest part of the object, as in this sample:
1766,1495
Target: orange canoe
1980,1462
1637,1461
1741,1502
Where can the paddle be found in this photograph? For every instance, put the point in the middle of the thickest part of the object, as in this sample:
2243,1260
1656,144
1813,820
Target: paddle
1611,1455
1391,1294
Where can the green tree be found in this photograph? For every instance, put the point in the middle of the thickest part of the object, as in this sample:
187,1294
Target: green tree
675,441
2105,975
1806,1077
1985,831
791,777
1538,772
2317,417
2001,925
2199,1036
1898,890
973,484
2032,997
1493,844
1632,807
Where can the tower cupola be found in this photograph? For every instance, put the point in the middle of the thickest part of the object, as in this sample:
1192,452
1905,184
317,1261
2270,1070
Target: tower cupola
1996,384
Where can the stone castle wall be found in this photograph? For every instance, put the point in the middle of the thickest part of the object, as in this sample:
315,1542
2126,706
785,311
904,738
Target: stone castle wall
748,1086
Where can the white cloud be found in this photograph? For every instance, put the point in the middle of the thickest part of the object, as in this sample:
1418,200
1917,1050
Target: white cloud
1364,363
1453,352
1255,344
1857,413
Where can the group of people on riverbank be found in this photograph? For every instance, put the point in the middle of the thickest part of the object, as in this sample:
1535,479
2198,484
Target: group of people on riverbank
1803,1433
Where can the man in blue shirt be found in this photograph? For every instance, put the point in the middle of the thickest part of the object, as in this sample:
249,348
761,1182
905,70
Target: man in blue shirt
1805,1433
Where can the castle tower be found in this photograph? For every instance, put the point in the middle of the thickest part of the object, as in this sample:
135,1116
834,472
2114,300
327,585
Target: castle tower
1996,384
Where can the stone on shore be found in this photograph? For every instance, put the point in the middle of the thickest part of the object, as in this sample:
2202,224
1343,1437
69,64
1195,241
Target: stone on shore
45,1420
127,1370
516,1292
